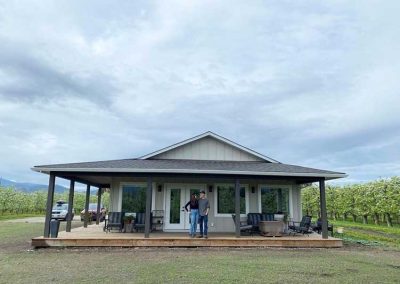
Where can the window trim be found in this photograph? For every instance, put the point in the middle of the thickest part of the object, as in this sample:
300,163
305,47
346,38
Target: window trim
142,184
247,201
276,186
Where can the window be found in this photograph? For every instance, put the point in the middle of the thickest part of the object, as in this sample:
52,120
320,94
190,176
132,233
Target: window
226,199
133,198
274,200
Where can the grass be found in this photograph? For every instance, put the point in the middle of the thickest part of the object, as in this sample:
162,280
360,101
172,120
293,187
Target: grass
351,264
369,234
5,217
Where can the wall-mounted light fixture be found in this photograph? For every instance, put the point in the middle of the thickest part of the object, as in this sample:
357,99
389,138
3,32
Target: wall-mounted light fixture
210,188
253,189
159,188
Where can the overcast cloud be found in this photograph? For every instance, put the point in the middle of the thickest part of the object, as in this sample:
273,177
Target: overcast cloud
304,82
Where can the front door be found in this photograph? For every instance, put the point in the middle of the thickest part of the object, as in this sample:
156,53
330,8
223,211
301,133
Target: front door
177,195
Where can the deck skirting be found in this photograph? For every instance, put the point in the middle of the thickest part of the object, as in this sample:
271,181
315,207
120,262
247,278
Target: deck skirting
294,242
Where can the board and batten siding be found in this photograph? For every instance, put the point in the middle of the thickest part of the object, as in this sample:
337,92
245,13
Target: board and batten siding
208,148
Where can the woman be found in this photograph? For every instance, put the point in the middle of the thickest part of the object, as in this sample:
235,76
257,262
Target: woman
194,214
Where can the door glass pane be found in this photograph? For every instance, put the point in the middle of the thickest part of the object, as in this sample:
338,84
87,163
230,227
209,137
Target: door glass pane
175,210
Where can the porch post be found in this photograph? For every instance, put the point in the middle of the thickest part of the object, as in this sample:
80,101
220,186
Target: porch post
85,222
98,206
49,205
70,204
147,224
324,220
237,208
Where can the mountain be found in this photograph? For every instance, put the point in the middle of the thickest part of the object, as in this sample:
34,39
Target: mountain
29,187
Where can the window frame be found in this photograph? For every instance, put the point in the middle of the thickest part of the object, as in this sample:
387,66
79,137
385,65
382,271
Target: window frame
141,184
276,186
247,201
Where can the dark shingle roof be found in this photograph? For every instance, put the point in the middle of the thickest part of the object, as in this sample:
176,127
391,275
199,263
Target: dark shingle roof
188,165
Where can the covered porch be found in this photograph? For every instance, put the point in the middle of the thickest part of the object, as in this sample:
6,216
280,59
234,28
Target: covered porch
94,236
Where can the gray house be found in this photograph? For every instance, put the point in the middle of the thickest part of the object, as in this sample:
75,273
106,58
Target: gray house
237,180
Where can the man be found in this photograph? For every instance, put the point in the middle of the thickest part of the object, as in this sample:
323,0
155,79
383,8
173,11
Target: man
204,208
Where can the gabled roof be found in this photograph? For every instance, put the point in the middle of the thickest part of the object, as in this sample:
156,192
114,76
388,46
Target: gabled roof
212,135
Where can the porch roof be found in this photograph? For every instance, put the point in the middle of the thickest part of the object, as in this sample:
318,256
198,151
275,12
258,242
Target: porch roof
191,167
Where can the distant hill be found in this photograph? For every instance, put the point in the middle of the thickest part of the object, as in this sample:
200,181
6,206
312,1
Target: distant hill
29,187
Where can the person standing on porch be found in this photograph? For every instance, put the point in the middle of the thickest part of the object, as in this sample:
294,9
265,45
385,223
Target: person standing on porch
194,214
204,208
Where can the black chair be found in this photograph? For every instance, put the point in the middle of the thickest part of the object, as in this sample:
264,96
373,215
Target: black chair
267,217
302,228
318,227
140,221
244,227
115,220
254,219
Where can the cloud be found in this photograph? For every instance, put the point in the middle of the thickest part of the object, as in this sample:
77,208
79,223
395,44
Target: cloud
305,83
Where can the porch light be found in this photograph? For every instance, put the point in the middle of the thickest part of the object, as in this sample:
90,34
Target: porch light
159,188
210,188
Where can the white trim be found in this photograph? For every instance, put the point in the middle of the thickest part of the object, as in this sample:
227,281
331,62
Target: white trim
288,186
185,187
247,200
191,171
213,135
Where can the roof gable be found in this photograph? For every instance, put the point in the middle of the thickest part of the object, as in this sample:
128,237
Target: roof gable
208,146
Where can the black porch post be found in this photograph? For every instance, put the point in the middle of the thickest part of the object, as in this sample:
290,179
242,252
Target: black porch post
147,224
237,208
70,205
85,222
98,206
324,220
49,205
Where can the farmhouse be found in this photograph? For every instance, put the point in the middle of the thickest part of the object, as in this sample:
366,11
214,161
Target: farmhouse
236,179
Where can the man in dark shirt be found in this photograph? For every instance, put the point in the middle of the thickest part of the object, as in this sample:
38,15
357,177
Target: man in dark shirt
204,208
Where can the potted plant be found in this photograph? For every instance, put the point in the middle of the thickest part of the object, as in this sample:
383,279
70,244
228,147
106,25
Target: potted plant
128,219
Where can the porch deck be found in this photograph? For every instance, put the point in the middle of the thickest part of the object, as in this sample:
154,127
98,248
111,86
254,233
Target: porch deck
93,236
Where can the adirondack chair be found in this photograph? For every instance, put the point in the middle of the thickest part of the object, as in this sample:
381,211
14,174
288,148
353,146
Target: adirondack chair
302,228
115,220
244,227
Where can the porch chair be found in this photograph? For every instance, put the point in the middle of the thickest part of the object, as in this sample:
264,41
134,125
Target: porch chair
318,227
244,227
114,220
140,220
302,228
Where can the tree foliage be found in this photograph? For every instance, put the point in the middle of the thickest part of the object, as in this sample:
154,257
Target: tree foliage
13,201
377,200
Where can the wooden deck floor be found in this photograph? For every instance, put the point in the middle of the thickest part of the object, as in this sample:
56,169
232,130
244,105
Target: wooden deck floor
93,236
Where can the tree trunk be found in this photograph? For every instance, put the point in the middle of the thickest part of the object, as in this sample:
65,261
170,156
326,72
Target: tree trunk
376,219
389,220
365,219
354,217
344,216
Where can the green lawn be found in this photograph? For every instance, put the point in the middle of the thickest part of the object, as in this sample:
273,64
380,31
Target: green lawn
369,234
352,264
17,216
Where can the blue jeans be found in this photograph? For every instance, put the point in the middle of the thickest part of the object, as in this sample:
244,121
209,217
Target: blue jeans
203,221
194,215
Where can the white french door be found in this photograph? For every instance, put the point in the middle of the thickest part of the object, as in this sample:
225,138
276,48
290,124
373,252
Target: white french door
177,195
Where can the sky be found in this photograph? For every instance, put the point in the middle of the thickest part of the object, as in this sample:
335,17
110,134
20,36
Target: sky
311,83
